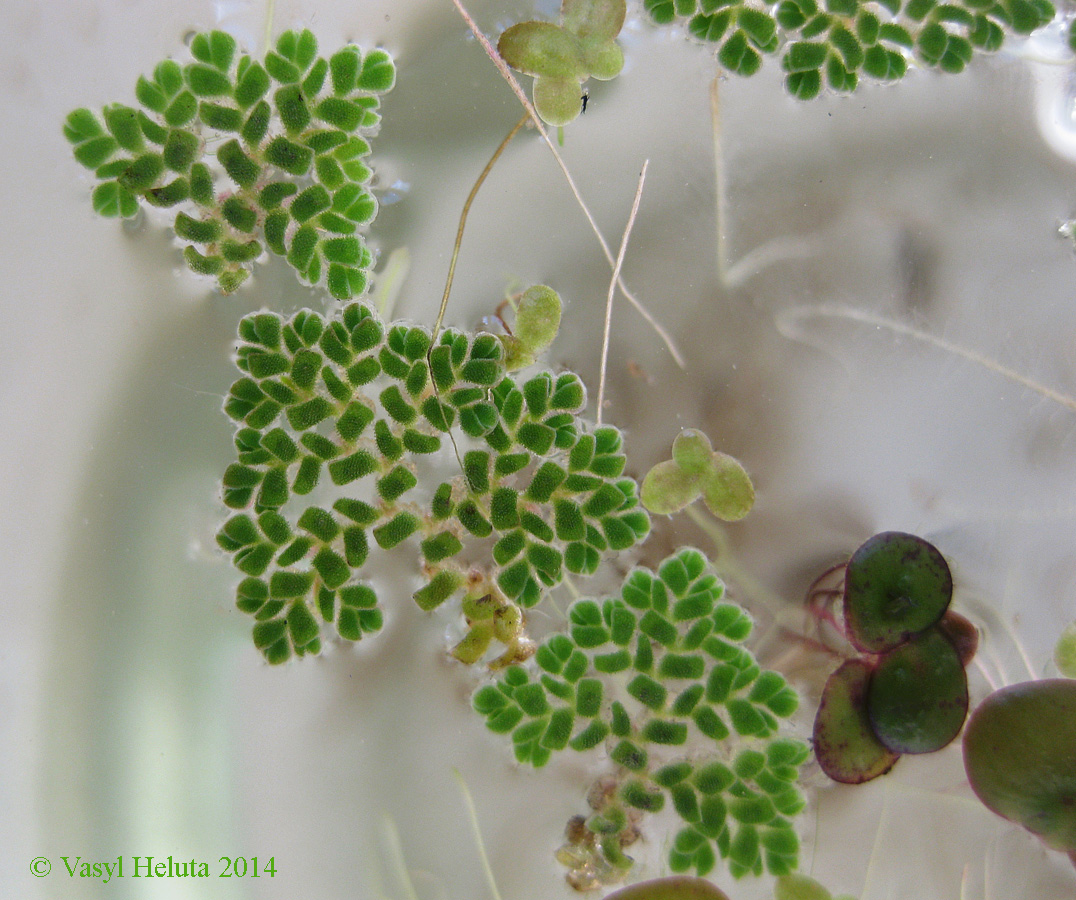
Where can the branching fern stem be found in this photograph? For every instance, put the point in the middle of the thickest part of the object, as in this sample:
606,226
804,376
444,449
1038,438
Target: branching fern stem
463,221
612,291
506,73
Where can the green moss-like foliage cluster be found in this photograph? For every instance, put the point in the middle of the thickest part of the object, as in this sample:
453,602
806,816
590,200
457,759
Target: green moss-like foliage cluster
358,413
253,155
835,42
659,677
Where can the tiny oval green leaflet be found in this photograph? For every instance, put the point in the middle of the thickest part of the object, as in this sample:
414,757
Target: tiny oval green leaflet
677,887
896,585
839,43
1020,758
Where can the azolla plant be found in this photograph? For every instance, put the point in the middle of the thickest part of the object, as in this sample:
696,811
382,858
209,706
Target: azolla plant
254,156
360,412
660,677
907,691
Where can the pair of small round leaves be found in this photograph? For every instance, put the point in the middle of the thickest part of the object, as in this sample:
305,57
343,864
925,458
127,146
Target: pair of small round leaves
896,585
1020,758
676,887
912,699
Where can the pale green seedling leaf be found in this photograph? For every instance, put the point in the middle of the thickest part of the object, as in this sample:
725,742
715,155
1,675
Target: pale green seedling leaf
542,48
537,323
799,887
667,488
594,20
538,316
603,60
727,490
1065,652
692,451
557,99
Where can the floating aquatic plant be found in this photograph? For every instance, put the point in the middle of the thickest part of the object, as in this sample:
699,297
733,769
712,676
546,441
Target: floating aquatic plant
696,469
361,411
253,155
908,691
837,42
660,678
562,57
1020,758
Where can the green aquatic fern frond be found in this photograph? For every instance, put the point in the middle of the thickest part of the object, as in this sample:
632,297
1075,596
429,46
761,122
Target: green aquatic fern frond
369,420
836,42
659,676
253,156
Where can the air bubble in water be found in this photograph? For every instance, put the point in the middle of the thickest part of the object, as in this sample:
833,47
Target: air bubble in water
1055,90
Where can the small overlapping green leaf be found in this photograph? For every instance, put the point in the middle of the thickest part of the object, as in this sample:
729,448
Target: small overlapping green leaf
845,744
537,323
896,585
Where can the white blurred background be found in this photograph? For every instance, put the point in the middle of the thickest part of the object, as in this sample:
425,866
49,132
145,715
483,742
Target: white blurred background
135,716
